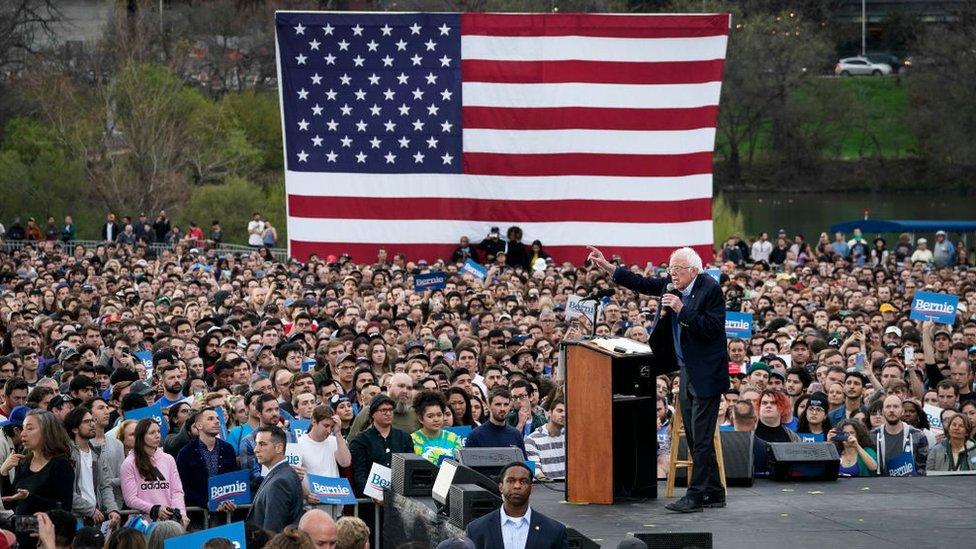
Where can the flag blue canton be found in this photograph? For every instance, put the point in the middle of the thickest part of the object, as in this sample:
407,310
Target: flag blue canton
371,93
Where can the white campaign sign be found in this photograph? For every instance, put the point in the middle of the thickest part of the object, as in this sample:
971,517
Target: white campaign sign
379,478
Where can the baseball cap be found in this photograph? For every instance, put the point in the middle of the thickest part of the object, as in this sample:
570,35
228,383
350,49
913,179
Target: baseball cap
818,399
757,366
777,373
887,308
922,241
799,341
344,357
17,416
893,330
140,388
942,331
68,353
336,400
734,369
937,233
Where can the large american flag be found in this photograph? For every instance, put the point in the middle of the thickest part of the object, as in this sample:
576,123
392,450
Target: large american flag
409,130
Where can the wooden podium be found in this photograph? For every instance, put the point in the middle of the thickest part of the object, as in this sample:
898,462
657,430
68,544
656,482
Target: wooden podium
611,435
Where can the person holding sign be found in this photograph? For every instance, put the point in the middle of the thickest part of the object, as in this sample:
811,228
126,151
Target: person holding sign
378,443
278,502
688,335
203,457
432,441
151,483
323,449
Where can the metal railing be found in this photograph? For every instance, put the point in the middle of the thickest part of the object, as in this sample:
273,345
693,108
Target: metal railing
279,254
375,527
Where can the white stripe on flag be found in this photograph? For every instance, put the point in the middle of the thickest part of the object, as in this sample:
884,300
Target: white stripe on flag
619,96
588,141
589,48
486,187
552,233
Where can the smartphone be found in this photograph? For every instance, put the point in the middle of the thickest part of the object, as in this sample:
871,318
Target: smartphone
909,353
25,523
859,362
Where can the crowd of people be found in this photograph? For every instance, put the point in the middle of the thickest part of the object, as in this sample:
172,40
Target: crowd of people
239,348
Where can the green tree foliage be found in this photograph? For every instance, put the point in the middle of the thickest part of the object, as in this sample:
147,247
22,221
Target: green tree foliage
941,92
232,203
726,221
259,118
38,175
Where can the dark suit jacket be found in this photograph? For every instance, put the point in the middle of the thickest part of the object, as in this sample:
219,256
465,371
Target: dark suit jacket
116,231
278,502
544,533
702,320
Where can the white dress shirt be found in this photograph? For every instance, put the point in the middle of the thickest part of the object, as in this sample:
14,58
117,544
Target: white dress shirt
515,530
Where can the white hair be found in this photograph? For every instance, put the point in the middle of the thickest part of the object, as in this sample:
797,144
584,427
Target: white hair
689,255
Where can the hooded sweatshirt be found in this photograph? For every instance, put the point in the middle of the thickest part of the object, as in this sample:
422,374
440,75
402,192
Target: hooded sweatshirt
142,494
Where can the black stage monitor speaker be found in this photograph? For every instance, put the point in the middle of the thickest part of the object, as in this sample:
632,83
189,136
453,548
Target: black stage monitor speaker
737,452
575,540
791,461
682,540
451,473
489,461
470,501
411,475
738,455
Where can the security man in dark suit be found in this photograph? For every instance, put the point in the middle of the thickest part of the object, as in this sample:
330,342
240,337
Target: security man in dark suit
279,501
516,525
688,335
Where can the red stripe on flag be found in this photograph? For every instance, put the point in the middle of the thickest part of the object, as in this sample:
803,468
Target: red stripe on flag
624,165
588,118
598,25
516,211
600,72
366,253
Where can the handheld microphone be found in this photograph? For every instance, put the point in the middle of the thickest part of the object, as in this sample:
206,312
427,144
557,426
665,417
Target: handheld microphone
669,289
606,292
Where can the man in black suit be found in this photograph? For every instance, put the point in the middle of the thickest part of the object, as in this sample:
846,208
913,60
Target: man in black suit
688,335
515,525
278,502
111,229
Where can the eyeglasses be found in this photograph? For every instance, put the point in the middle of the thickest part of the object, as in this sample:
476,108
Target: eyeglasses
385,411
678,268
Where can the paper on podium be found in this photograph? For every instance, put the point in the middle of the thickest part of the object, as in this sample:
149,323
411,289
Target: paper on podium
621,345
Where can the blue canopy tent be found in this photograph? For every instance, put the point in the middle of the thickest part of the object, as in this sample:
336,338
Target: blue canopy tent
911,226
879,226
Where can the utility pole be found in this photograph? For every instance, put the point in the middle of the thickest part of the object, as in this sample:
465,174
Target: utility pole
864,27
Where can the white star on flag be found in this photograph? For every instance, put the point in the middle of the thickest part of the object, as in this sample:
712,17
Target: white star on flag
299,29
303,156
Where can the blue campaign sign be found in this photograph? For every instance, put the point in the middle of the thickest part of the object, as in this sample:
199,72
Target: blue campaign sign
308,364
715,273
738,325
334,491
473,268
462,431
939,308
222,418
299,427
145,357
154,412
234,487
430,281
233,532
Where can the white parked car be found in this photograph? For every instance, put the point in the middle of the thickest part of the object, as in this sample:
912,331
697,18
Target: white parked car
853,66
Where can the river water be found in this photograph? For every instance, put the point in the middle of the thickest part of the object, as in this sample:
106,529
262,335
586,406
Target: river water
811,214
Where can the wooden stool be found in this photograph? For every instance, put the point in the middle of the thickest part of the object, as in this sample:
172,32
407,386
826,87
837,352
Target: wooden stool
678,431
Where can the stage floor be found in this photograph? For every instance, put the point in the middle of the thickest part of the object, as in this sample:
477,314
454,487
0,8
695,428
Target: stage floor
866,512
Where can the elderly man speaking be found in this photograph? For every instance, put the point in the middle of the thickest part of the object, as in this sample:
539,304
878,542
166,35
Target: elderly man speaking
689,335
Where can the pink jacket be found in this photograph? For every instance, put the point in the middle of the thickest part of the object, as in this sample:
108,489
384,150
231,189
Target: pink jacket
142,495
